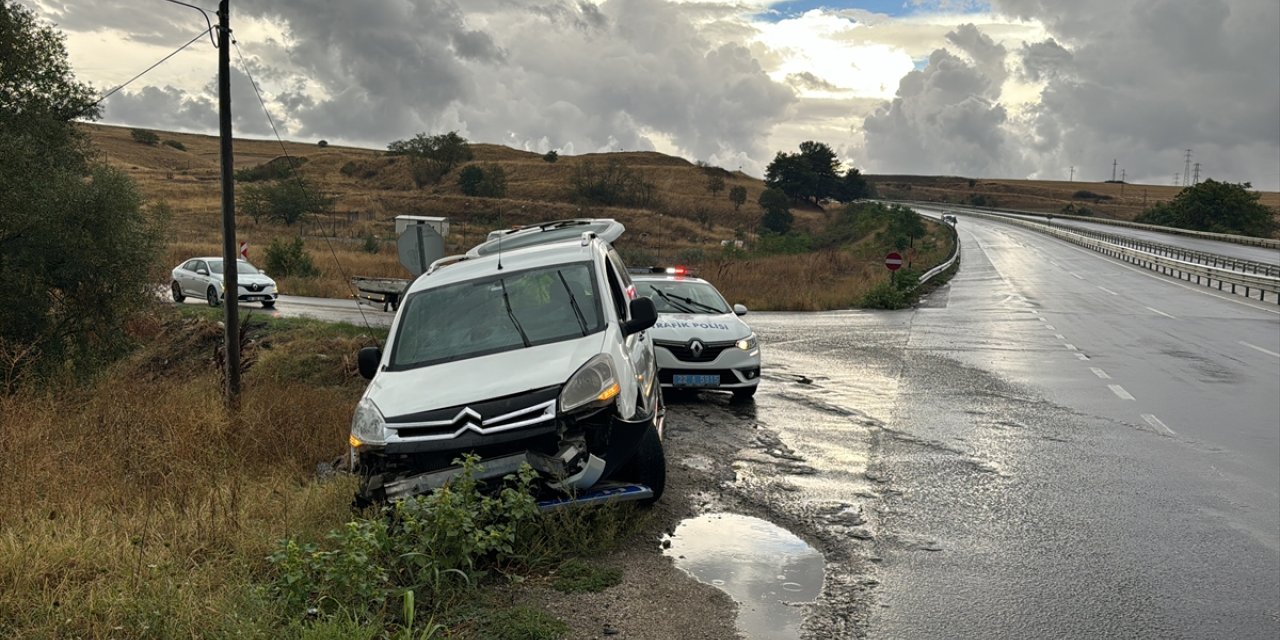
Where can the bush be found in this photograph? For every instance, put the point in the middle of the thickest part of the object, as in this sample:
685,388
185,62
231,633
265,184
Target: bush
277,168
440,543
489,181
431,157
1085,194
550,156
777,211
144,136
175,144
287,201
322,144
369,242
284,259
1076,209
783,243
738,196
1219,207
613,184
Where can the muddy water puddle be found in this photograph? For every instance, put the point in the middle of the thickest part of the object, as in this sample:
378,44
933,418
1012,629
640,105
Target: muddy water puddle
768,570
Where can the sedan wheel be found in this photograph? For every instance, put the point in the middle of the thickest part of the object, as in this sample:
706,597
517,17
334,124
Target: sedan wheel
212,296
177,293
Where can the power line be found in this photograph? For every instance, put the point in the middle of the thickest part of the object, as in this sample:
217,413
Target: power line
293,169
148,69
203,12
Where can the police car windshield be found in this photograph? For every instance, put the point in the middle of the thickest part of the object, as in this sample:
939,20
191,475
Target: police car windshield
501,313
683,296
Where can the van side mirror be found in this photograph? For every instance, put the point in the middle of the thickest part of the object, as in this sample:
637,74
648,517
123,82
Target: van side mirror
643,315
367,361
740,309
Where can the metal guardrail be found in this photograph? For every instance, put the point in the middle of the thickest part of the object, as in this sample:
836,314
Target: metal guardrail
1208,275
951,261
1270,243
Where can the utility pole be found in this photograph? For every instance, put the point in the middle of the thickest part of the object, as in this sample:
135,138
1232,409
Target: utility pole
1073,174
1186,170
1113,169
1196,179
1177,179
1122,182
230,281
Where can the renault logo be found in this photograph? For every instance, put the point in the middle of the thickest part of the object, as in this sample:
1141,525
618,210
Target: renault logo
695,347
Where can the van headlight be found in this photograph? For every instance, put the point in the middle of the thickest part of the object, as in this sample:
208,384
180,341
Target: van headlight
368,427
595,384
748,343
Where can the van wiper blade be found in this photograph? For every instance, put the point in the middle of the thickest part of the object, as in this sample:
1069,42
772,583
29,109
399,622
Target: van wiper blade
512,314
573,302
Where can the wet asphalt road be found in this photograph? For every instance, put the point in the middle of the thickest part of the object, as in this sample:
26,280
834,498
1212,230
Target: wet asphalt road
1056,445
1264,255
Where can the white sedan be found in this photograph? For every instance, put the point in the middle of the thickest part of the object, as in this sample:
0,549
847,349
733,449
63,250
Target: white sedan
202,278
700,342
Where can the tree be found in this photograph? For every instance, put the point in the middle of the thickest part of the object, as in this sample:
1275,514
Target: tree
812,174
852,186
777,211
737,195
289,201
905,224
431,157
1219,207
78,255
715,184
551,156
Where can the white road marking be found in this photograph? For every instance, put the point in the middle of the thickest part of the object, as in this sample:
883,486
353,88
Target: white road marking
1054,263
1120,392
1161,313
1070,346
1109,291
1059,336
1050,327
1077,276
1257,348
1158,425
1100,373
1244,302
1081,356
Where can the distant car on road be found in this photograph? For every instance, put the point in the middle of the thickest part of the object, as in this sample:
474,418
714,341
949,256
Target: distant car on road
701,343
202,278
949,219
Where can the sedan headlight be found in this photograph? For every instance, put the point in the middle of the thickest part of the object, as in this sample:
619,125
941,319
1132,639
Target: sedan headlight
368,427
595,384
748,343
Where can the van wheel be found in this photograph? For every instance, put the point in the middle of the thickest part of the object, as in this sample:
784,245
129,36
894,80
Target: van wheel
212,297
648,466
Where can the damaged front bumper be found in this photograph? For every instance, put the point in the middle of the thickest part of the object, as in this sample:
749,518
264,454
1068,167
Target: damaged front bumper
577,460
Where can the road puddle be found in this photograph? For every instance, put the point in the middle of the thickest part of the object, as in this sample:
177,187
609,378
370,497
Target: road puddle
767,569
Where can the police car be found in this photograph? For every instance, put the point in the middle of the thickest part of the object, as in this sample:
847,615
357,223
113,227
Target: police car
700,341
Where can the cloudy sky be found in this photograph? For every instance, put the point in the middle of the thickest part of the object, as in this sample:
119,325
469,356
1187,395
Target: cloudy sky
998,88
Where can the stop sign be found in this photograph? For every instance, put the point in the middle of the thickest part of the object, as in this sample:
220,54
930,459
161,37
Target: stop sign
893,261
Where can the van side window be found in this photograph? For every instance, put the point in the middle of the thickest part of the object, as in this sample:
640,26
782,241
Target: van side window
617,292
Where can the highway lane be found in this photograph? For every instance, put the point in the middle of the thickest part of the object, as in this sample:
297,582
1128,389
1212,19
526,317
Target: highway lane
1264,255
1079,448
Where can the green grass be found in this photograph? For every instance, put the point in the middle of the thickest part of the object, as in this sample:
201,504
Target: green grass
577,576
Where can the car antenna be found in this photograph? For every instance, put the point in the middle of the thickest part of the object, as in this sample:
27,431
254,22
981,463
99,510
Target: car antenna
500,252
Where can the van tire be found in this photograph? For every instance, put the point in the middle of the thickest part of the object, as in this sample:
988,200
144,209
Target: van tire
648,466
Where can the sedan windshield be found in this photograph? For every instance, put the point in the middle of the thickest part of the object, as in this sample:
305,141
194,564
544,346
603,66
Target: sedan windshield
215,266
502,313
679,296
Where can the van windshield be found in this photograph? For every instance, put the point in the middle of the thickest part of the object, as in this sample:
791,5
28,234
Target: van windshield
505,312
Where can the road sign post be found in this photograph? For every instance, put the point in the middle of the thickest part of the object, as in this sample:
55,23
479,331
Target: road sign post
893,262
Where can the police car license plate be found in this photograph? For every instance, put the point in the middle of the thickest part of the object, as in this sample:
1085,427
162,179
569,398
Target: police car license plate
695,380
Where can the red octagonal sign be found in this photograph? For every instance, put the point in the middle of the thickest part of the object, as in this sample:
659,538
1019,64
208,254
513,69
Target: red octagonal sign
893,261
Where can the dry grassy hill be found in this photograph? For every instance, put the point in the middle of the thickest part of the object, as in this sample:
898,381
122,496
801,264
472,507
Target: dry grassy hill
1104,199
687,225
